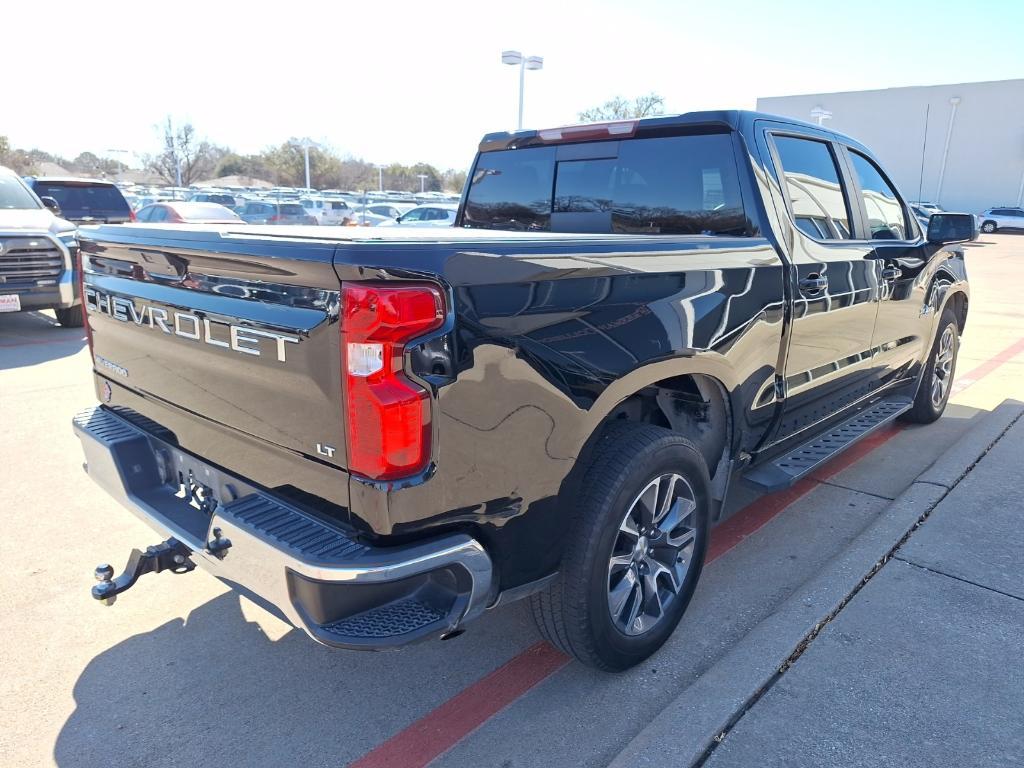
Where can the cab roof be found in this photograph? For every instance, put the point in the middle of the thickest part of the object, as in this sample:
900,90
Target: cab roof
705,121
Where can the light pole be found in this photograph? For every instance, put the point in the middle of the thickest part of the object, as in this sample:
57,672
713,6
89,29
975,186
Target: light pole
423,182
820,114
306,144
380,177
515,58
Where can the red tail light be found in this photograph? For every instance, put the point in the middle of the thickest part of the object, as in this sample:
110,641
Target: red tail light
131,215
387,414
273,218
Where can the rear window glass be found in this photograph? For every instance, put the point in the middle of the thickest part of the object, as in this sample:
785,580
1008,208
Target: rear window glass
679,185
84,199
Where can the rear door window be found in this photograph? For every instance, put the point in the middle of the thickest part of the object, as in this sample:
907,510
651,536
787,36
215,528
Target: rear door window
818,200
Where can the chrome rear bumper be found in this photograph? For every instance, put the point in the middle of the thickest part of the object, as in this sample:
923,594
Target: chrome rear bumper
342,592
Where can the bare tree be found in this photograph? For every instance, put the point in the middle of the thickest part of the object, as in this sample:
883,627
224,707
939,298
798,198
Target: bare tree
185,158
619,108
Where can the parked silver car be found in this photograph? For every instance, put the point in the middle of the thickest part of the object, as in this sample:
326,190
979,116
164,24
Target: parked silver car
994,219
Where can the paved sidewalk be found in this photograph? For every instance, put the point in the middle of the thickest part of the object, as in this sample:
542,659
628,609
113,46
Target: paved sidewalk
923,667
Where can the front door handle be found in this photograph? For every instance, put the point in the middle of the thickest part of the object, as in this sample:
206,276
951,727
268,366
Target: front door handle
892,273
813,284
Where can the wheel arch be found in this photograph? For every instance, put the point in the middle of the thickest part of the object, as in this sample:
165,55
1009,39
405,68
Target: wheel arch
696,402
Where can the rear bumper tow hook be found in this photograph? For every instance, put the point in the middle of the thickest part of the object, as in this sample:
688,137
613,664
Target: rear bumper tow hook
171,555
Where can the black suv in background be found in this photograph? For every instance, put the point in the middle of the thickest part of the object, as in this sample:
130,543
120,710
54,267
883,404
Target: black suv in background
85,201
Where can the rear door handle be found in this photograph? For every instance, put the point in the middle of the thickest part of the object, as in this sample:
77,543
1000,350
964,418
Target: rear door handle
813,284
892,273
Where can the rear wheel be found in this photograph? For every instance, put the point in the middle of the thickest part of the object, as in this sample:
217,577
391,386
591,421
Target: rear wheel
989,227
70,317
635,551
937,382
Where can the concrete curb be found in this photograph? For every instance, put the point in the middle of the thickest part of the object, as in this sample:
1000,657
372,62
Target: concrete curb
688,727
958,460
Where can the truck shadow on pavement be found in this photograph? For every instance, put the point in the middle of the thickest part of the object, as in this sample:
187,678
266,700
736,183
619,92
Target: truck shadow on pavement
216,687
31,338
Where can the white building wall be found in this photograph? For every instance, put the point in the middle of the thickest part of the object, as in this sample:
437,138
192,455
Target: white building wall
984,165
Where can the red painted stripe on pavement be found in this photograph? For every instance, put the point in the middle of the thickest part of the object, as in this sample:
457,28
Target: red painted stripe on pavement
446,726
971,377
441,729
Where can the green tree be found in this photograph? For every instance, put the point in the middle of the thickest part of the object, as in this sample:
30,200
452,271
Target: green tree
88,164
453,180
619,108
250,166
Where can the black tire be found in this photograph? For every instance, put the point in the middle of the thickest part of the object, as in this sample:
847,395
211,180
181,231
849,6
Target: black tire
927,408
70,317
989,227
574,614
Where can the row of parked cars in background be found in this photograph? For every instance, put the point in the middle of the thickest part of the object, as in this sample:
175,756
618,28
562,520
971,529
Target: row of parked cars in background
95,200
286,205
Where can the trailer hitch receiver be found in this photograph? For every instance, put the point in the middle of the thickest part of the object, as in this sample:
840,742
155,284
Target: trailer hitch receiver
171,555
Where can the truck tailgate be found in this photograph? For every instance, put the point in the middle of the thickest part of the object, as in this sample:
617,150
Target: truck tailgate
243,334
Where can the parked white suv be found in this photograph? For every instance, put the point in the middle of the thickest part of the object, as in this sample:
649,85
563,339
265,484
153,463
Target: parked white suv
994,219
327,211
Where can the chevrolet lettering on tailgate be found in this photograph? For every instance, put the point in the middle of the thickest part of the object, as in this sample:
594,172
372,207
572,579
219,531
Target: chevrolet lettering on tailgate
187,325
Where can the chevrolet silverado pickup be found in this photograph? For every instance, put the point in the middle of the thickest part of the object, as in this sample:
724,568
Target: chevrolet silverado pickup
380,434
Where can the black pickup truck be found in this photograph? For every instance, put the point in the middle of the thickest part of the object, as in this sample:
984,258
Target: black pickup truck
378,434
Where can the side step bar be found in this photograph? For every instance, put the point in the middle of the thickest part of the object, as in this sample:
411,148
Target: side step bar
786,469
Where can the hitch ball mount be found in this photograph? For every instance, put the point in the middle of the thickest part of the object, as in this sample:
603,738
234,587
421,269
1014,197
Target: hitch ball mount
171,556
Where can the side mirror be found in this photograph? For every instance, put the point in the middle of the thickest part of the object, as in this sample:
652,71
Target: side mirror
946,228
51,204
398,219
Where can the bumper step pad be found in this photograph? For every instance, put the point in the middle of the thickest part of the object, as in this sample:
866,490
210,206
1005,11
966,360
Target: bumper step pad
389,621
785,470
290,529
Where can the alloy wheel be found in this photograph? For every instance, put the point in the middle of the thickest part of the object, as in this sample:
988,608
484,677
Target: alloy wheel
942,373
652,554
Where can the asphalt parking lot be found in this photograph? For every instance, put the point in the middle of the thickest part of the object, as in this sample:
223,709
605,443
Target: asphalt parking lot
182,671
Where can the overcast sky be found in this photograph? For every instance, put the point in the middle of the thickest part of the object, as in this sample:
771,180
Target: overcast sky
411,81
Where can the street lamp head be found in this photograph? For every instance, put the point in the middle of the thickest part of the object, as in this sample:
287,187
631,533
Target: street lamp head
511,57
535,62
